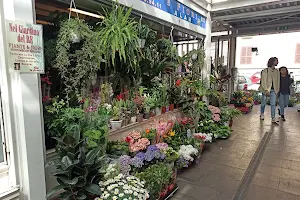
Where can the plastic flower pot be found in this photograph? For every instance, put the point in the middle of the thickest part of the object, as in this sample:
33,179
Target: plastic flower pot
115,125
140,118
141,43
171,107
146,115
163,109
133,119
158,111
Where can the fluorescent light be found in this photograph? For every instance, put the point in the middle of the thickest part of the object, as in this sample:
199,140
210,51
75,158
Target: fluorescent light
86,13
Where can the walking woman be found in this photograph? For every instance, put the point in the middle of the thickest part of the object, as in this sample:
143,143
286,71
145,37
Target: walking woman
269,86
284,92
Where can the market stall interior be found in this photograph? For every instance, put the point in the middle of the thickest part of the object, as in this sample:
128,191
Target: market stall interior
125,112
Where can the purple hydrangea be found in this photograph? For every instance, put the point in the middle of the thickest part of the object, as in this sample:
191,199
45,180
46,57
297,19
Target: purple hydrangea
125,162
152,148
149,156
157,154
141,156
137,162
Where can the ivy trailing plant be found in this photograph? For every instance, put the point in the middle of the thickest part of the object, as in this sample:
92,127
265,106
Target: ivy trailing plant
76,61
118,38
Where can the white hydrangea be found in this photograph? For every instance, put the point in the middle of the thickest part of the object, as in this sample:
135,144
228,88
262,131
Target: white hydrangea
187,151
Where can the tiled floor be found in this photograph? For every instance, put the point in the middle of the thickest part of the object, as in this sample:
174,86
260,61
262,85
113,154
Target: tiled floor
224,163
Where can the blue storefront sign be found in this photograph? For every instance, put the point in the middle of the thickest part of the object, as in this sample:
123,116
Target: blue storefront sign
179,10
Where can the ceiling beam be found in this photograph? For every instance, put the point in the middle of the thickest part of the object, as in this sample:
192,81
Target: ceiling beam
264,13
230,4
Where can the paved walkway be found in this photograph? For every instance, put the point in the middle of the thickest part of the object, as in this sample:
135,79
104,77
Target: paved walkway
232,167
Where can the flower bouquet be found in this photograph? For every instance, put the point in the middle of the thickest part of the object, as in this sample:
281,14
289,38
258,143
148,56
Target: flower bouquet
123,187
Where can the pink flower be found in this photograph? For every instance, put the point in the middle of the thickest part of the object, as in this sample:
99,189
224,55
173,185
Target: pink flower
162,146
135,135
214,110
216,117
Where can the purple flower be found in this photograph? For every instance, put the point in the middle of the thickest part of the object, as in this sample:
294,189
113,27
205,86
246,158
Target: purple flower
125,167
149,156
141,155
181,162
152,148
162,146
157,154
137,162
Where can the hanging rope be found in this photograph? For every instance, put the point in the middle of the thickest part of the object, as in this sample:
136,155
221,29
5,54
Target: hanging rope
171,34
72,3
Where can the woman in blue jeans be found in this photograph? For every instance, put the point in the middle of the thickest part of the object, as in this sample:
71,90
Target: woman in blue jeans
269,86
284,92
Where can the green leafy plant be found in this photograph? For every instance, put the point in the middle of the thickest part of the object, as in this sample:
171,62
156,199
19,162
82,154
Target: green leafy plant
76,169
149,103
119,37
150,134
117,148
77,63
156,176
228,113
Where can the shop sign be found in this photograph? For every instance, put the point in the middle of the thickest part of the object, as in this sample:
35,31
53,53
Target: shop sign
25,46
179,10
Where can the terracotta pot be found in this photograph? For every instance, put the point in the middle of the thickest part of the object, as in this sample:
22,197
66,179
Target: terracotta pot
171,108
140,118
163,109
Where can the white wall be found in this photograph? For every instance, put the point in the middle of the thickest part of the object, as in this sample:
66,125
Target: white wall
282,46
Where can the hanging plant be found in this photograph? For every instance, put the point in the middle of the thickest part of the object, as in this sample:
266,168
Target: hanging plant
119,38
77,59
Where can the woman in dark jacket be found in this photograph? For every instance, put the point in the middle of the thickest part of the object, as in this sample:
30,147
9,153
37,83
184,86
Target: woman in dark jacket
284,92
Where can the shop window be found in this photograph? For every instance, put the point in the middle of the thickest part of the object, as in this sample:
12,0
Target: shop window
246,56
297,54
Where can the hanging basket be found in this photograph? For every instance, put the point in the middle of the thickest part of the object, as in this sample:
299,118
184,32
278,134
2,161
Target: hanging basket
141,43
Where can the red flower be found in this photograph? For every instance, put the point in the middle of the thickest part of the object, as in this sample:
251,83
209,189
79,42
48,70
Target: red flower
178,82
129,139
46,98
46,80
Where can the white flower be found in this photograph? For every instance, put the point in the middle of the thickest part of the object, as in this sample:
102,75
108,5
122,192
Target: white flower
130,191
135,194
121,194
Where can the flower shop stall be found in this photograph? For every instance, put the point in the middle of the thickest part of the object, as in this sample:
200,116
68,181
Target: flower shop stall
125,121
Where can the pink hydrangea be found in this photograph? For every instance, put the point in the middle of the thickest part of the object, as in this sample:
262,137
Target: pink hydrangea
216,117
135,135
140,145
214,110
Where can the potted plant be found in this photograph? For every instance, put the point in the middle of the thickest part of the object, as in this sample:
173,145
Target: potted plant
76,168
157,101
228,113
116,121
149,103
133,111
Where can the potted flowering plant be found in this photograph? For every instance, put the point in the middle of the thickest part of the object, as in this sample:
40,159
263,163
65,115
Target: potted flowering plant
123,187
136,142
133,111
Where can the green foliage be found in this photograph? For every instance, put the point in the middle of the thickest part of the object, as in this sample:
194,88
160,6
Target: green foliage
76,169
117,148
156,177
149,103
228,113
77,63
150,134
119,37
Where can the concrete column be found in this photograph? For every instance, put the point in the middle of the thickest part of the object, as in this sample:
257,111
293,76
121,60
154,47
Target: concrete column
27,119
232,58
207,47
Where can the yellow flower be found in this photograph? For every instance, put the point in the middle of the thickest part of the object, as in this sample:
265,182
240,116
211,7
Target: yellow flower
172,133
